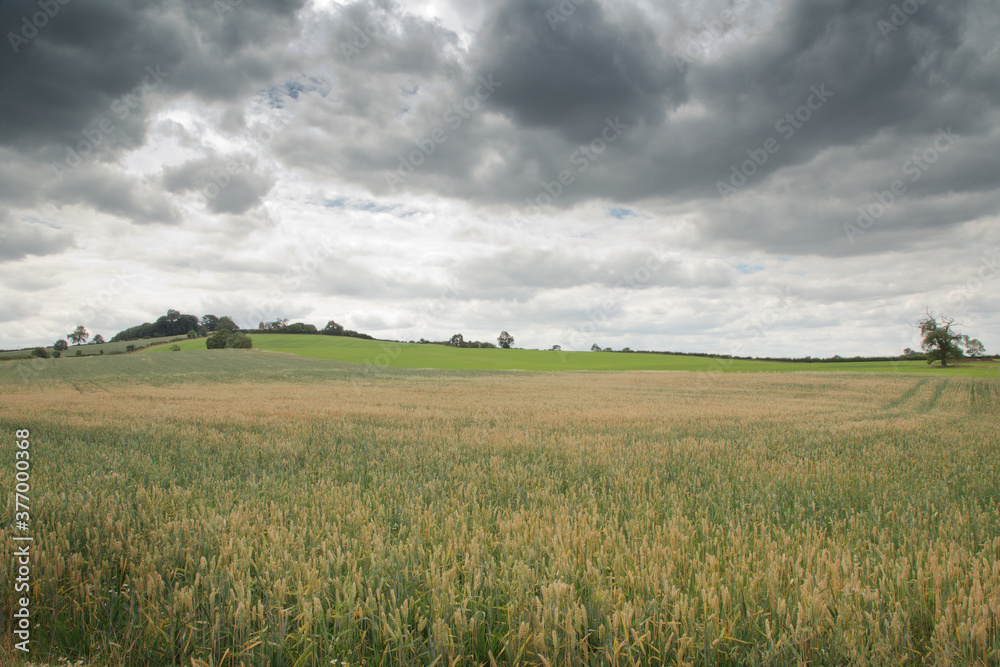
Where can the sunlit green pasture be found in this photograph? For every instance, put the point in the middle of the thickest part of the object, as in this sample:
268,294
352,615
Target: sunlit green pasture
407,355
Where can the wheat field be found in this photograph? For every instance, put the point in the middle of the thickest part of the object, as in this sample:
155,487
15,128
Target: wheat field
515,518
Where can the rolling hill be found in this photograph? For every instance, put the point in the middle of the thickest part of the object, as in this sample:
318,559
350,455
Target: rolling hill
408,355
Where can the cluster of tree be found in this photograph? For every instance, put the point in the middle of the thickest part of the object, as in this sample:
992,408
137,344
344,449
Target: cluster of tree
175,323
212,323
458,340
281,325
505,341
226,338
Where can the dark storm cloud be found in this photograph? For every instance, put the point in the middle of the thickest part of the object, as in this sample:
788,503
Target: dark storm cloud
811,79
227,184
567,75
380,37
822,77
395,76
572,81
19,179
78,90
90,55
801,89
914,82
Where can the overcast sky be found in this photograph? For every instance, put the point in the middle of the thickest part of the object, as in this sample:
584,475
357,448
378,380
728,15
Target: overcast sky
765,177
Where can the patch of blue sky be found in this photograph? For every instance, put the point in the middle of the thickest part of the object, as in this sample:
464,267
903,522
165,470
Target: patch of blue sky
620,212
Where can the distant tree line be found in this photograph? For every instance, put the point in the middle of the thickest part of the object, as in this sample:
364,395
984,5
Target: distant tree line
458,340
175,323
331,329
334,329
282,326
908,355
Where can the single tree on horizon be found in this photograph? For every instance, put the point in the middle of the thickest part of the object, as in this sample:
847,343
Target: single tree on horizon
942,343
505,340
79,335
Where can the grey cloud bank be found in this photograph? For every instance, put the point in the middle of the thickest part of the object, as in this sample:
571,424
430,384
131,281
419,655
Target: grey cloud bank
836,144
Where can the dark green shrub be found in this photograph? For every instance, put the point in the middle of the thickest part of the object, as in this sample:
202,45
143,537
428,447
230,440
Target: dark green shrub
175,348
239,341
41,353
218,340
130,347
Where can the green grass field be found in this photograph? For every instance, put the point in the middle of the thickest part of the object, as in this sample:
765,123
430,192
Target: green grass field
405,355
